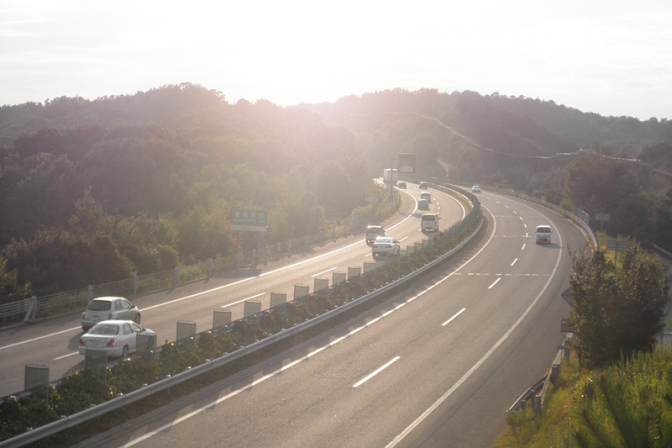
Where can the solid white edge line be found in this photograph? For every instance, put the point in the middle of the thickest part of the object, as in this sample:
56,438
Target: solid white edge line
506,335
230,284
293,363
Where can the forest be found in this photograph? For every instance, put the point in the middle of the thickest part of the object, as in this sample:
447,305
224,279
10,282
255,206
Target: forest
91,190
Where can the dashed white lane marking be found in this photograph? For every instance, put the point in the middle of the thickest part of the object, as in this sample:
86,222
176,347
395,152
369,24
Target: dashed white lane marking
456,314
376,372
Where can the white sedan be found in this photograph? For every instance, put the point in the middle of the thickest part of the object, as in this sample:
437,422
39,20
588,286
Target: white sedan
385,245
118,337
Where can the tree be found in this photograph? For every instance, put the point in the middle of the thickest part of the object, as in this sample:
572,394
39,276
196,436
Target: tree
10,289
617,310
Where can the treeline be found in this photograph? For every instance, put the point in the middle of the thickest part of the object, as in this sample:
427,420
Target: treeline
92,190
147,180
618,166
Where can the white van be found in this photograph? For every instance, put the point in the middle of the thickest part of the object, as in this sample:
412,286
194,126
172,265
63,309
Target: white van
543,234
373,232
429,222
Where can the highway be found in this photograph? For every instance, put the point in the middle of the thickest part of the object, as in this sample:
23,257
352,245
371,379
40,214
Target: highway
54,342
435,366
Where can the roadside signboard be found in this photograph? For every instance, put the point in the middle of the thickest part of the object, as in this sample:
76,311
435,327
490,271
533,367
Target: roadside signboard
617,245
406,163
249,220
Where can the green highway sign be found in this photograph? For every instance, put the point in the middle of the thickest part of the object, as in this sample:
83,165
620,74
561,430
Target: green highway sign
249,220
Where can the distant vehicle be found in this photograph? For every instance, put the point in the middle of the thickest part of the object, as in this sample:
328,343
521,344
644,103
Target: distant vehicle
385,245
390,176
423,204
476,189
429,222
117,337
426,196
373,232
423,185
543,234
109,308
401,184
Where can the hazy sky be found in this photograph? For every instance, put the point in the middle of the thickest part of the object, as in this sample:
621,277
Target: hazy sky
610,57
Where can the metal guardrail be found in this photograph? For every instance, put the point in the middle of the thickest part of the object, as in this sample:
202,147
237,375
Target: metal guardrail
536,395
118,402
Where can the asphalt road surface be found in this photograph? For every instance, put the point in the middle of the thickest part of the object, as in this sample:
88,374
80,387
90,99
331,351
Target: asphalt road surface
435,366
54,342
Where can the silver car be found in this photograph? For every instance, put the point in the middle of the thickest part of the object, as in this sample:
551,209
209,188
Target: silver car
117,337
385,245
109,308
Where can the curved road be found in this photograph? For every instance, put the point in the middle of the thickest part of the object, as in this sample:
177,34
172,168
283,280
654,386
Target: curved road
54,342
435,366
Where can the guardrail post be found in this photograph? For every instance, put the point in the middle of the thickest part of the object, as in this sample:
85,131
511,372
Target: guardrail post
136,282
555,371
278,298
89,293
320,283
177,275
354,271
338,278
369,267
220,318
254,259
301,291
238,260
32,310
211,264
252,307
537,405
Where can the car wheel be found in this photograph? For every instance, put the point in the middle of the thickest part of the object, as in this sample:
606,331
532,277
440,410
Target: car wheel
137,319
124,352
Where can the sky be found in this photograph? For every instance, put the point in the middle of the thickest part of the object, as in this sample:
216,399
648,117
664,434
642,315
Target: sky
612,57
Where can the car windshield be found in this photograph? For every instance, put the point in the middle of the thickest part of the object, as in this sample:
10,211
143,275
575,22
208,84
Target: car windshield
99,305
105,329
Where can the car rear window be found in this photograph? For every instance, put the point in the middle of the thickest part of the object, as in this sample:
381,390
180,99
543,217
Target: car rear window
99,305
543,229
428,218
105,329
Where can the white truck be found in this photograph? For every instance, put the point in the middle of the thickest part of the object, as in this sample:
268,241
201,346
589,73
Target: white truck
429,222
390,176
543,234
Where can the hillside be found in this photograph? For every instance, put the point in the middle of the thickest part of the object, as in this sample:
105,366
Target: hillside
144,181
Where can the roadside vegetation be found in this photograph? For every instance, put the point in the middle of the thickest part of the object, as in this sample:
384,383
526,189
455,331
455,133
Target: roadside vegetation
91,190
87,387
617,389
